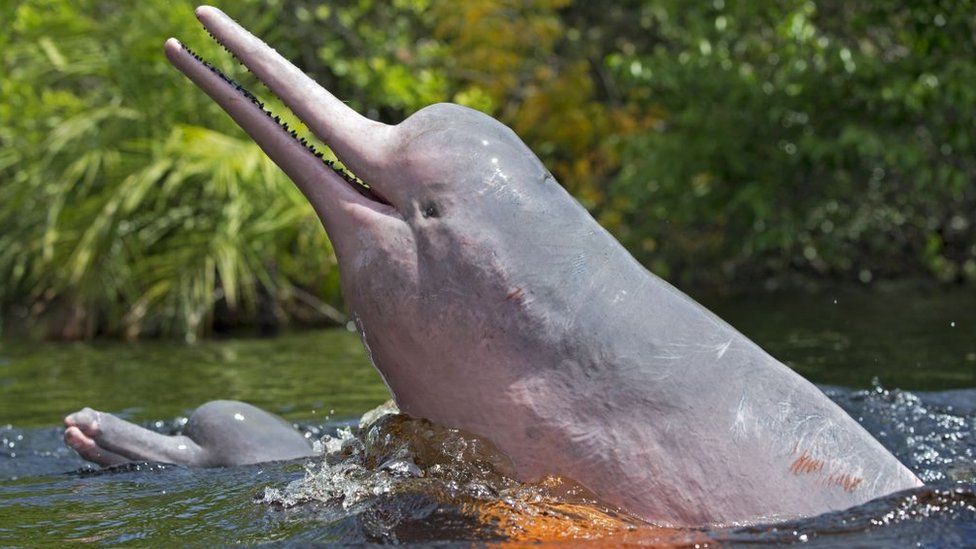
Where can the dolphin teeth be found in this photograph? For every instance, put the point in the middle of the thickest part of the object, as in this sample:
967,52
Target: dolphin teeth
362,187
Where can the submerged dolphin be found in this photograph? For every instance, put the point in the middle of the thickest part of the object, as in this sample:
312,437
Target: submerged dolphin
491,301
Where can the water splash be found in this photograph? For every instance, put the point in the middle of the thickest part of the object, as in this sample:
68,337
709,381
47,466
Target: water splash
934,434
412,473
407,480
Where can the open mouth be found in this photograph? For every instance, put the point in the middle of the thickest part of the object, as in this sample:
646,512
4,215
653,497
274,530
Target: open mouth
355,183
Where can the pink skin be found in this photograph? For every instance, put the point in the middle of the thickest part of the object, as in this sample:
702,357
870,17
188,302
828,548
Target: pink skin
491,301
107,440
80,434
219,433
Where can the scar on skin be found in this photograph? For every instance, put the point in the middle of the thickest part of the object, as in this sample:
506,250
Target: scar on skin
846,481
515,295
807,464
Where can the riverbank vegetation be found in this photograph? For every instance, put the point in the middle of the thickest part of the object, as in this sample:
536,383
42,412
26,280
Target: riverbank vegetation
726,144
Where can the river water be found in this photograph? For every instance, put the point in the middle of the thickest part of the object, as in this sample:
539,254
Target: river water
903,364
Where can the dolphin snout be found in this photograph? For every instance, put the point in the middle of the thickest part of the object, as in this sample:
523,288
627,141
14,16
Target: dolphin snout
345,206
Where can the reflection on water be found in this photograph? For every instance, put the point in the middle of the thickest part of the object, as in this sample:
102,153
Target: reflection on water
299,376
397,479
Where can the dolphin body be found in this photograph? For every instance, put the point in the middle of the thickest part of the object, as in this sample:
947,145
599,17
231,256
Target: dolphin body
491,301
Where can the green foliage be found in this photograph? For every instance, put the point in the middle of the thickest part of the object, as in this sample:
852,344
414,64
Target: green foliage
828,138
723,142
130,203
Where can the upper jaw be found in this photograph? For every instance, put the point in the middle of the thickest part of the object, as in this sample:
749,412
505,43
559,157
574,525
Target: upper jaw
362,144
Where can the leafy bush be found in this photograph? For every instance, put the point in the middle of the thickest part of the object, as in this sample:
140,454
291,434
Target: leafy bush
827,138
723,143
130,203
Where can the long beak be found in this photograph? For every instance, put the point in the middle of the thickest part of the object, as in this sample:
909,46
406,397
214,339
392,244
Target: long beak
361,143
358,141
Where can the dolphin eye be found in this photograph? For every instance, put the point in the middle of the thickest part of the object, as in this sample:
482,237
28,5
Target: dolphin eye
430,210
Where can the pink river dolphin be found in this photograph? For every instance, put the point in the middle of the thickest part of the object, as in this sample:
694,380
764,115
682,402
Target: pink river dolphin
491,301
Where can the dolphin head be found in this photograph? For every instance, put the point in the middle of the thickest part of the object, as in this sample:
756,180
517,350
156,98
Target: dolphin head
425,253
446,158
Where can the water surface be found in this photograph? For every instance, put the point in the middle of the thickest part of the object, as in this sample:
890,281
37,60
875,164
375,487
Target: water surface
903,365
